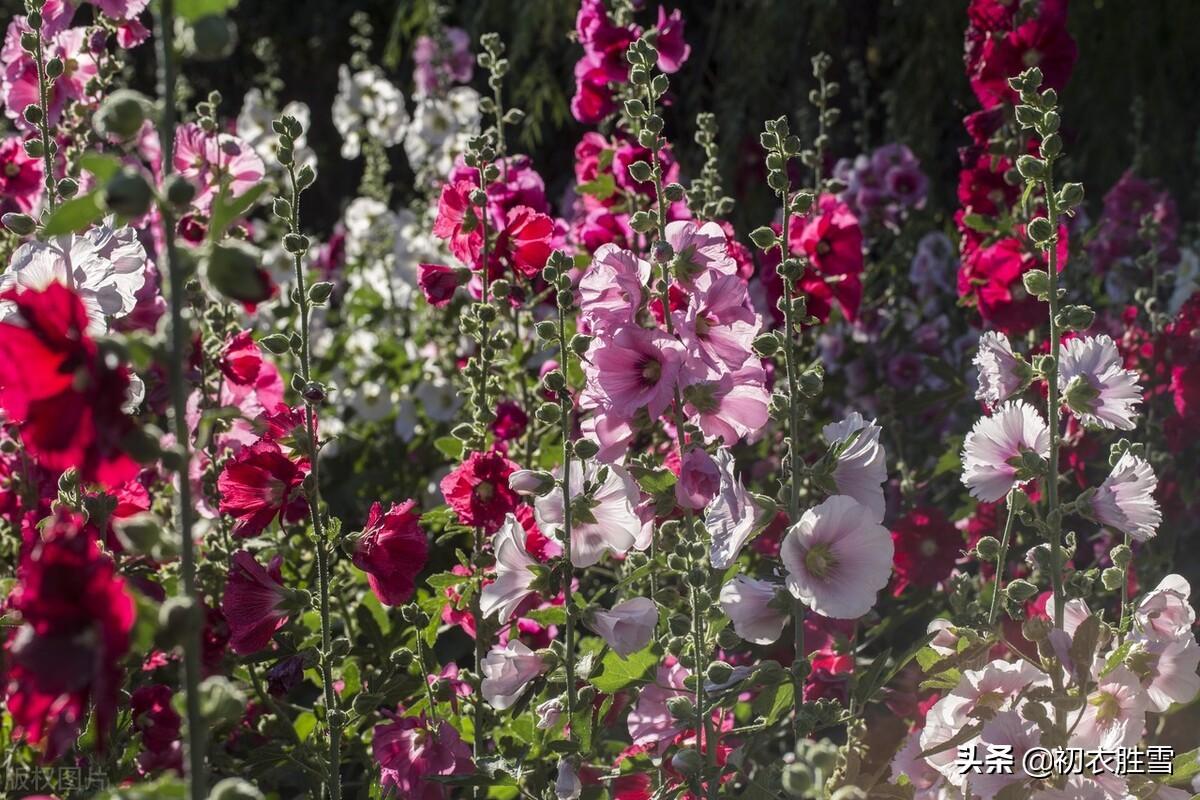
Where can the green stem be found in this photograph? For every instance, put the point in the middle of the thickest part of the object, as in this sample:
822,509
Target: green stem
332,710
196,735
433,715
39,57
565,409
1001,560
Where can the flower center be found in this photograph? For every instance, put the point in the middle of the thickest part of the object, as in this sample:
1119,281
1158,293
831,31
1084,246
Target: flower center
1107,708
485,491
703,323
823,248
651,372
929,548
11,169
819,561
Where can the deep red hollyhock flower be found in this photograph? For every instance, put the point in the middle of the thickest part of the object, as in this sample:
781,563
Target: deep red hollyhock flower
478,490
409,752
1041,42
830,676
457,222
832,240
259,484
982,124
255,602
20,177
927,546
392,551
65,394
991,15
982,188
524,244
76,616
242,360
510,422
160,725
992,276
438,283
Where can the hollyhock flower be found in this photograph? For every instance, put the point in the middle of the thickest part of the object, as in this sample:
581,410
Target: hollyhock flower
1095,385
255,603
410,753
635,368
19,86
995,442
927,782
730,408
605,518
440,132
719,325
699,479
755,608
982,188
832,240
259,484
458,223
927,546
439,282
837,557
160,725
367,102
1017,735
478,490
75,620
105,267
1125,501
1042,42
392,551
628,627
514,578
1166,613
54,381
507,673
610,290
212,161
510,423
1169,672
442,60
1002,373
1118,236
650,721
1114,714
993,277
20,177
861,466
698,249
567,785
672,49
731,517
254,128
525,241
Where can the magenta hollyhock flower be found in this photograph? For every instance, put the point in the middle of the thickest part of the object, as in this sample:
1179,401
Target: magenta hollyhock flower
478,490
160,725
733,406
995,442
720,324
993,276
250,382
511,421
672,48
392,551
20,177
438,283
255,604
831,239
19,86
837,557
211,160
457,222
440,61
259,484
699,478
636,368
410,751
927,546
1042,42
525,242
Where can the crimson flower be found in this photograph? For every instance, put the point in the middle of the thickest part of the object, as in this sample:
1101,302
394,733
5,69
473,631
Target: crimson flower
76,618
64,392
259,484
458,223
160,725
478,490
525,241
438,282
927,544
833,242
410,752
255,603
392,551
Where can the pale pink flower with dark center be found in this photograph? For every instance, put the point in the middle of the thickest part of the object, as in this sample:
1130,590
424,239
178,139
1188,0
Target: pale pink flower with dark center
19,87
507,673
699,479
212,160
604,500
698,249
611,290
1125,501
1167,670
995,443
513,576
861,463
1114,714
636,368
719,324
628,627
730,407
1166,612
1095,385
651,722
1008,729
837,557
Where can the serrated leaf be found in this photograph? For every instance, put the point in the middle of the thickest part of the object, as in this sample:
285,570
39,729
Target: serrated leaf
616,673
1185,767
552,615
74,215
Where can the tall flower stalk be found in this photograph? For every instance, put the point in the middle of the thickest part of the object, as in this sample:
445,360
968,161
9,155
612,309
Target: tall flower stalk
39,115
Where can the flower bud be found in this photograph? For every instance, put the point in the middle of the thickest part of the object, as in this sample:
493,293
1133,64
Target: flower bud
233,269
235,789
1040,230
687,761
1020,590
179,190
127,193
1121,555
121,115
1037,282
210,38
319,292
1112,578
1031,168
988,548
531,482
719,672
20,224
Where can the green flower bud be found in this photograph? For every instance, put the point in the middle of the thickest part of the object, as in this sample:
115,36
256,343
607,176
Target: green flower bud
210,38
122,114
127,193
233,269
988,548
20,224
1112,578
1020,590
179,190
1037,283
1040,230
1031,168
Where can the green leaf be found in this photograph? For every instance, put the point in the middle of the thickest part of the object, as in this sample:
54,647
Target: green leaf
450,447
653,481
554,615
304,724
1184,767
74,215
100,165
950,462
192,10
444,580
227,209
616,673
602,187
774,702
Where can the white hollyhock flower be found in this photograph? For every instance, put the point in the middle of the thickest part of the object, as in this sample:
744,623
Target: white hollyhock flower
837,557
368,102
997,440
1166,613
732,516
628,627
513,576
105,266
507,672
753,608
606,519
1125,501
1095,384
254,127
440,129
1002,373
861,465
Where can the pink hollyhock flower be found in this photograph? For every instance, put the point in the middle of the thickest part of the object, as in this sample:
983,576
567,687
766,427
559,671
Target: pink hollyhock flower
860,466
514,578
602,226
212,160
927,545
699,249
837,557
410,752
19,86
1166,613
251,383
732,407
720,325
510,423
441,61
1125,501
732,516
1114,714
1095,384
833,242
259,484
699,479
438,283
756,608
478,490
672,49
995,443
993,277
1002,373
458,223
609,519
1017,735
160,725
1168,671
628,627
525,242
392,551
507,673
650,721
927,782
255,604
20,177
75,617
67,398
635,368
611,290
